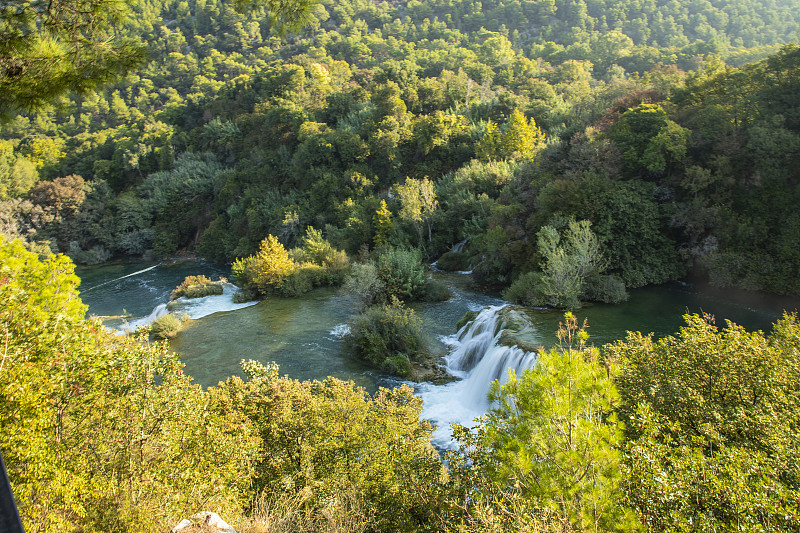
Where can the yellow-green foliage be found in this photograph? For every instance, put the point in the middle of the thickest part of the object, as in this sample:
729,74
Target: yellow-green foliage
713,414
325,439
166,326
196,287
274,270
317,251
550,445
265,271
520,139
102,433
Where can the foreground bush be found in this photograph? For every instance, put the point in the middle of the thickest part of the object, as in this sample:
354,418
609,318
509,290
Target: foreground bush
328,446
713,424
104,433
548,448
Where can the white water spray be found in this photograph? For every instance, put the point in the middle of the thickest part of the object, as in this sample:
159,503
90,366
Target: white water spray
122,277
477,357
194,308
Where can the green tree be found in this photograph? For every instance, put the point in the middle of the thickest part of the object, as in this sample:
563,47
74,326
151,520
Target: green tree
382,220
519,139
266,271
552,439
711,417
571,270
418,204
50,48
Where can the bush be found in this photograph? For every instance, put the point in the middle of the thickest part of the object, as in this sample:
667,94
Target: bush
306,277
245,295
434,291
526,290
265,271
453,261
384,334
364,283
402,272
99,432
315,250
93,256
166,326
329,447
197,287
606,289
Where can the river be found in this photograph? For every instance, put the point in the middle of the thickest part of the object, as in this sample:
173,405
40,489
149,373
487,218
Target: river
303,335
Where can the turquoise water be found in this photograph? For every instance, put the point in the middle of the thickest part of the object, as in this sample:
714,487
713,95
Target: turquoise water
303,335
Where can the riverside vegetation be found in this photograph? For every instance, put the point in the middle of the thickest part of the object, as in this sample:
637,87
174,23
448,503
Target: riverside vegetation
106,433
563,151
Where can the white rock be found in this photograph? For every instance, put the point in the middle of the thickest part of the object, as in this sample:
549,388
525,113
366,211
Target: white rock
205,518
212,520
182,525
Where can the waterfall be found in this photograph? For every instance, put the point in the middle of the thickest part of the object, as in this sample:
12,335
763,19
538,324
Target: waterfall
194,308
459,247
478,358
159,311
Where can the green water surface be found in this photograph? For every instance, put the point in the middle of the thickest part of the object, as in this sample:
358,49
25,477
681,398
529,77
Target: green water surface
302,334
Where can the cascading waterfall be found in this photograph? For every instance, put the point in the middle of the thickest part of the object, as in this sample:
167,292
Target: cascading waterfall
478,358
194,308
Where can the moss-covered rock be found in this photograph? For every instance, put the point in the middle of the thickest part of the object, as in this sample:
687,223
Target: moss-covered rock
453,261
197,287
517,329
469,316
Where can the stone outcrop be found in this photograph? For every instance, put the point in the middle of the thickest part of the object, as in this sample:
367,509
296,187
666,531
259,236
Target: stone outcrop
205,521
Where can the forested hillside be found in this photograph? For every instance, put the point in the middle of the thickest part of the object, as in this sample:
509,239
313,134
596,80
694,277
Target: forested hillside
521,115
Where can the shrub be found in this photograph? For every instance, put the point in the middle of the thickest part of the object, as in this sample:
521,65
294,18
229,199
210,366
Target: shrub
328,446
384,334
453,261
364,283
94,256
434,291
606,289
166,326
316,250
99,432
402,272
306,277
197,287
526,290
265,271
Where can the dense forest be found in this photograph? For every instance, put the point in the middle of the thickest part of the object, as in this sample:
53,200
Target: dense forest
508,117
562,151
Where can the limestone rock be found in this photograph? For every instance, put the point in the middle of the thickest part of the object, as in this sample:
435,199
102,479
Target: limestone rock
208,521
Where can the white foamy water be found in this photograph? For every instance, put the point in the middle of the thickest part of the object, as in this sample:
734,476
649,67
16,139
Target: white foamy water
194,308
339,331
478,359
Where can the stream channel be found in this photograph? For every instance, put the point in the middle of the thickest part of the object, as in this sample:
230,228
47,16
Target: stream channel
303,335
